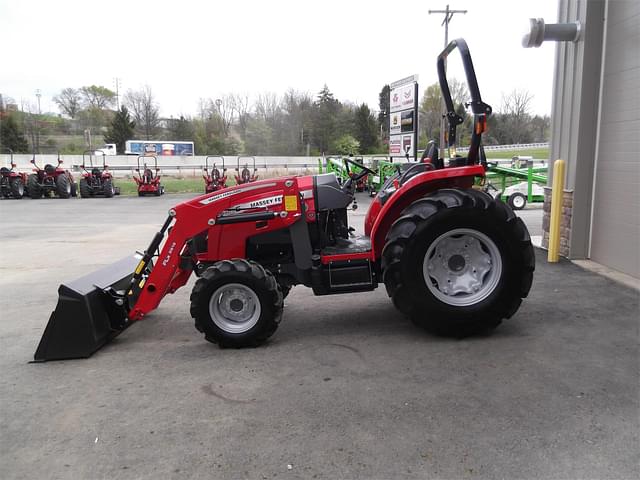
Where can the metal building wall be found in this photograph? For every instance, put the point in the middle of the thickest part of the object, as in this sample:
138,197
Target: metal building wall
615,224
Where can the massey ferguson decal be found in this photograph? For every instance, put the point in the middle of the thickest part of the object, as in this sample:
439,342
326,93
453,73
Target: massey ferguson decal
222,195
261,203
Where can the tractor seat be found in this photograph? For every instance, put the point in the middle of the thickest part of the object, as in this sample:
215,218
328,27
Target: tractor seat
95,172
328,194
4,170
49,168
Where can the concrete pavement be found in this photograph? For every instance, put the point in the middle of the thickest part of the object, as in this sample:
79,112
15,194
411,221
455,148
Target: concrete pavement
347,388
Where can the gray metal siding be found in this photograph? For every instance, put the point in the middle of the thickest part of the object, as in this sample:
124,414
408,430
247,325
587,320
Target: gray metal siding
615,237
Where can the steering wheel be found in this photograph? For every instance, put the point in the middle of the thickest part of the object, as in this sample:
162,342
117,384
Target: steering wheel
364,171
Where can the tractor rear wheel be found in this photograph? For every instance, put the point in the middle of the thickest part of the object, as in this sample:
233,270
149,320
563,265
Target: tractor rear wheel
63,186
85,191
17,187
236,303
108,189
33,186
457,262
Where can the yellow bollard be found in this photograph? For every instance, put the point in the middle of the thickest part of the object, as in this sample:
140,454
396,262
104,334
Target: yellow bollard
557,191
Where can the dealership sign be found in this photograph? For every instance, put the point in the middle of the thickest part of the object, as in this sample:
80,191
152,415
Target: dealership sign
403,118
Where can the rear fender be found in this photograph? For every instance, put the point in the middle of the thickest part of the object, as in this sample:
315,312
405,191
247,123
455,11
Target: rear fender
415,188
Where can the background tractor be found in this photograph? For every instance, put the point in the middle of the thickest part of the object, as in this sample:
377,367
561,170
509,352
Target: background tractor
214,180
245,176
95,180
50,181
452,258
12,183
148,180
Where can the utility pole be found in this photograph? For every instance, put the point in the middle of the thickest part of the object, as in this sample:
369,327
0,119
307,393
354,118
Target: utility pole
36,123
448,15
117,82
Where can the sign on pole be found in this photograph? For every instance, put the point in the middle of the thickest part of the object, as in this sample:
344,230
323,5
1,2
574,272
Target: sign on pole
403,118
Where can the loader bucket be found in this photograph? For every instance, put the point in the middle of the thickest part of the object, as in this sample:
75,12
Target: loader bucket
87,316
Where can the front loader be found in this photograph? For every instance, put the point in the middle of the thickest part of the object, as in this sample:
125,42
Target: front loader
452,258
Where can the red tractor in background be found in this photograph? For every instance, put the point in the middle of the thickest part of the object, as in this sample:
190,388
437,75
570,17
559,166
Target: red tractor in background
50,180
452,258
97,181
245,176
147,181
12,183
361,184
215,180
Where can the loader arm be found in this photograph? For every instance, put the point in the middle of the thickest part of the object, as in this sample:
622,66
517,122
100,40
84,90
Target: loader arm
175,261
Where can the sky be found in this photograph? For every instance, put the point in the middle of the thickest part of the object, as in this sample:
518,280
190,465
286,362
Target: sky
186,50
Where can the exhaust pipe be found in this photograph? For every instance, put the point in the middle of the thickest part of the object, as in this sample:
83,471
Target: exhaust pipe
90,312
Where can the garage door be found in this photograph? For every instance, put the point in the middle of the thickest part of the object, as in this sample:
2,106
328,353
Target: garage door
615,239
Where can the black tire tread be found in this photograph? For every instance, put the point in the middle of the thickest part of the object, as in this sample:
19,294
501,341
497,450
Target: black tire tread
61,186
264,278
107,188
85,191
420,211
33,186
14,186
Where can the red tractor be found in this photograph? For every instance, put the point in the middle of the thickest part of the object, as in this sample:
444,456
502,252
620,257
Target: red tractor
452,258
215,180
148,182
50,180
245,176
97,181
12,183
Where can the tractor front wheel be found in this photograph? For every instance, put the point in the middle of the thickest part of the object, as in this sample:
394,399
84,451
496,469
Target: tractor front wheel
457,262
236,303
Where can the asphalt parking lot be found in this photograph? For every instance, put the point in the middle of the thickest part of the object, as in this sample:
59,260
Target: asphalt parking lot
347,388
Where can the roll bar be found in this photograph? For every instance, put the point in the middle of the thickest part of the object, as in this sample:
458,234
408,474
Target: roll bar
480,109
91,154
206,162
145,163
238,163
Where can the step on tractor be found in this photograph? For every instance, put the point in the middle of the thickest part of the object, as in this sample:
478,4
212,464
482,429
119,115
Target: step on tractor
451,258
12,183
148,180
214,180
51,181
245,176
96,180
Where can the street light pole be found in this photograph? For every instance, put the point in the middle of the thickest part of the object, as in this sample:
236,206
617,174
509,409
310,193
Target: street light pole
448,15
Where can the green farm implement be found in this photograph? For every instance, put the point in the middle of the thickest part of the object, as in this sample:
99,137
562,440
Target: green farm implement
517,186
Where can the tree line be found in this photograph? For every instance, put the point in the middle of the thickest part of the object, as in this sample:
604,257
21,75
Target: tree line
294,123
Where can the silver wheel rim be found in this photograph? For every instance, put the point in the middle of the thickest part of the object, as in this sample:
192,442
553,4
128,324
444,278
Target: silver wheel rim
518,201
462,267
234,308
